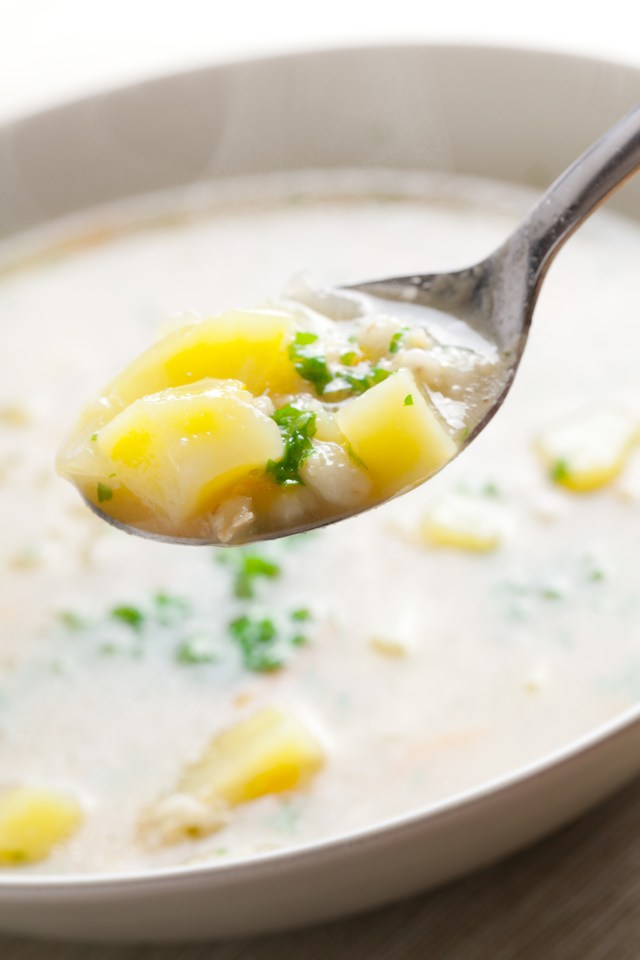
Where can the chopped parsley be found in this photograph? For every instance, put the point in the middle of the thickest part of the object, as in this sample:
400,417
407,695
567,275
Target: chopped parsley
297,428
131,616
559,471
408,400
170,608
257,641
187,630
263,645
361,382
349,359
251,567
396,340
94,437
72,621
309,362
552,591
104,492
196,650
301,614
248,567
593,571
351,375
299,640
108,649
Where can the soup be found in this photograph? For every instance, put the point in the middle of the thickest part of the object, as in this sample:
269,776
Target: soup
163,705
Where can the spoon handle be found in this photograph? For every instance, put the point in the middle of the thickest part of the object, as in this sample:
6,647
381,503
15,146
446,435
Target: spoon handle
579,190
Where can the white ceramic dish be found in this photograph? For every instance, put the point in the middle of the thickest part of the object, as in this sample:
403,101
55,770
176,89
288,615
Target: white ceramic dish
513,115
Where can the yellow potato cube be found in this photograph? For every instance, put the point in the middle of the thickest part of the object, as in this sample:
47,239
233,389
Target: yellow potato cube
270,752
396,434
587,451
33,820
463,523
180,450
246,345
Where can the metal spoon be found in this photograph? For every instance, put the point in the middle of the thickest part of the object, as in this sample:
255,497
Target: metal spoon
497,296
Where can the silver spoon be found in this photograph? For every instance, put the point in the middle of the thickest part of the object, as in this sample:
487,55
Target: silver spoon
497,296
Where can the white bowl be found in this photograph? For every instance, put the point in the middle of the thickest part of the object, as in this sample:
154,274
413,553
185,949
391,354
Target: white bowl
514,115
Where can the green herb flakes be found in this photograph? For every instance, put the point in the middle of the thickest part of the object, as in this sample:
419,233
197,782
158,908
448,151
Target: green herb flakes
104,492
257,641
263,644
196,650
297,428
552,591
253,567
408,400
396,340
108,649
72,621
351,375
130,616
559,471
170,609
309,362
349,359
301,615
361,382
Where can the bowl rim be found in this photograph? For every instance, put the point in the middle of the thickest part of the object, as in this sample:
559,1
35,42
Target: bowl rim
15,886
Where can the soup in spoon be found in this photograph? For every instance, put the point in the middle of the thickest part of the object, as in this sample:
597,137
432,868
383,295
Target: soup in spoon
259,423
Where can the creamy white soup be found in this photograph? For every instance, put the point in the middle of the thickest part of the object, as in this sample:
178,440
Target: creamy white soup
162,705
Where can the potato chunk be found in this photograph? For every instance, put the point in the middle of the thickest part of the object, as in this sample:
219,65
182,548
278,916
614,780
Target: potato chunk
589,450
269,752
463,523
179,450
396,434
246,345
33,820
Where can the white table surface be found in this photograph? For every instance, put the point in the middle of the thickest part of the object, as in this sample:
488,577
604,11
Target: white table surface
576,896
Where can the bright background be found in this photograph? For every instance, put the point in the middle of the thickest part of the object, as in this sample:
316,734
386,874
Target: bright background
51,50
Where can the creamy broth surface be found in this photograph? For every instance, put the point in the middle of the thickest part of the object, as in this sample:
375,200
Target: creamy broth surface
428,668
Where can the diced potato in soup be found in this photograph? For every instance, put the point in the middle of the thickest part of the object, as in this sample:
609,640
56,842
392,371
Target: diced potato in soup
588,450
173,454
34,820
396,434
268,753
